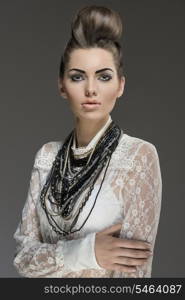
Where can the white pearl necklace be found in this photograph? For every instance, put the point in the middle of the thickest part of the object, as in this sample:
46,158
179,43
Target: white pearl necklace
84,151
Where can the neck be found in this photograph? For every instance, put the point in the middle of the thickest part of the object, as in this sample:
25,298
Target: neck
86,129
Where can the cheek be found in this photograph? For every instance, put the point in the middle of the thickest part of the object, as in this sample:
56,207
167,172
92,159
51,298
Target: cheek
74,91
109,95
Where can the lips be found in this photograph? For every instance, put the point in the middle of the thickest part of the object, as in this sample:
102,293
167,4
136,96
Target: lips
91,102
90,106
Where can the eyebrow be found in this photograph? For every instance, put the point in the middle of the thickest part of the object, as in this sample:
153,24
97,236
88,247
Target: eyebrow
98,71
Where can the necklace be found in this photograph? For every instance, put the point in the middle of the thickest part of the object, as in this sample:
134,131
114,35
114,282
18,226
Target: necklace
61,195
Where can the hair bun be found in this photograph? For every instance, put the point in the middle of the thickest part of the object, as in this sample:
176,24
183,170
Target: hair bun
95,26
93,23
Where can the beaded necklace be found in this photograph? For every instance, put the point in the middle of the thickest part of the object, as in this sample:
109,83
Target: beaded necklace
69,178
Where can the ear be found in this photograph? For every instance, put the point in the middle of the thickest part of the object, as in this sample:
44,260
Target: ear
121,86
61,88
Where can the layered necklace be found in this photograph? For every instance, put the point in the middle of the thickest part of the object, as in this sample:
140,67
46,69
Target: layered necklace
72,175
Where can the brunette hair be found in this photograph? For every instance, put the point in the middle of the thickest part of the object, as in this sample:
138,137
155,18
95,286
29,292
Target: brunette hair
95,26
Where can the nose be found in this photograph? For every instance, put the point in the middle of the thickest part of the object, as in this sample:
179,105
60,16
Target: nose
91,89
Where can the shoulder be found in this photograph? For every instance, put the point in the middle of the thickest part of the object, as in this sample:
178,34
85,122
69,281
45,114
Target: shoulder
46,154
136,144
131,150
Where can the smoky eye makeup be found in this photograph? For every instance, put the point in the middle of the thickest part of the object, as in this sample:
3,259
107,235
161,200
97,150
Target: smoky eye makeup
75,77
78,76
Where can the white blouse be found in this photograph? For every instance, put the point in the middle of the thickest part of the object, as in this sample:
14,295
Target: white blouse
131,193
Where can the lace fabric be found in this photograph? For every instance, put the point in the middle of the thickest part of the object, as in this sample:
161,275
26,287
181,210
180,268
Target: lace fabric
131,193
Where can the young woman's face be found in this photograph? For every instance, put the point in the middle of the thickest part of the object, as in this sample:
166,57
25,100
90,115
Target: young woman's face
90,82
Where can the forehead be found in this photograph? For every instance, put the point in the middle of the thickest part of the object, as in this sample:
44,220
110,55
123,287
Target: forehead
92,59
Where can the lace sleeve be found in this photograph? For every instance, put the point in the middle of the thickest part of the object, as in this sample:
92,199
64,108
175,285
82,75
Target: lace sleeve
142,193
35,258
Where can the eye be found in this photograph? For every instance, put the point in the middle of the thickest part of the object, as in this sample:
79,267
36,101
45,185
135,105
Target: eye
106,77
75,76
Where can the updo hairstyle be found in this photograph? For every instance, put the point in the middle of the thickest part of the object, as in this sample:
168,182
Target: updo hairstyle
95,26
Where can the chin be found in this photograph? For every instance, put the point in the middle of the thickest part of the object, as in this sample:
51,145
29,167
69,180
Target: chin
92,115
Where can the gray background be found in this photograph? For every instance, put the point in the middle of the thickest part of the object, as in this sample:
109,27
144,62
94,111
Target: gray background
32,36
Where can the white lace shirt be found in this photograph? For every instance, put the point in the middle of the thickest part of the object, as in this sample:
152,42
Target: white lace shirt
131,194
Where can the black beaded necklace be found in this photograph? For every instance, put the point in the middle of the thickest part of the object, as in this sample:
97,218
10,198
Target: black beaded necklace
62,189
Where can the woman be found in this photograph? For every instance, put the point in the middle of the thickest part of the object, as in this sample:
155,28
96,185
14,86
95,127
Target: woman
94,200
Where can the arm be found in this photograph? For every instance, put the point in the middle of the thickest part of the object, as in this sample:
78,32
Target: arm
142,193
35,258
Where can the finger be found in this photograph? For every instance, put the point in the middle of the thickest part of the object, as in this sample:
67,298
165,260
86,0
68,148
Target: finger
130,261
123,268
125,243
132,253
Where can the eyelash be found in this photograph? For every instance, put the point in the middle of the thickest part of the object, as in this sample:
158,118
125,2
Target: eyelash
79,75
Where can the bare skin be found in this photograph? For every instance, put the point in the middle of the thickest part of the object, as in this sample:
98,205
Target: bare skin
117,254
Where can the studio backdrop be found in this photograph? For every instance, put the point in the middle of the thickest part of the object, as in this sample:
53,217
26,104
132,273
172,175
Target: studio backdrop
33,36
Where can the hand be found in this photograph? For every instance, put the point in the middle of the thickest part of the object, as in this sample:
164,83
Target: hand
114,253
